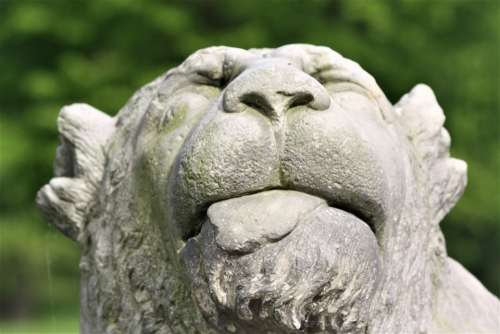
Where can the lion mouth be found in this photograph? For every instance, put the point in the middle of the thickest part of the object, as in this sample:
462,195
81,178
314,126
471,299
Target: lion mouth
244,224
283,257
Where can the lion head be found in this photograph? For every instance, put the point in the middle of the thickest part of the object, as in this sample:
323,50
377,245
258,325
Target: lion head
258,191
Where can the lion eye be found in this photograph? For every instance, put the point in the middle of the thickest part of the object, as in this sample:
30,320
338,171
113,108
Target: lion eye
211,74
205,69
354,98
217,77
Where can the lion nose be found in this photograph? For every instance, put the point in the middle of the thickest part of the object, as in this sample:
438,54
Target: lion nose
274,89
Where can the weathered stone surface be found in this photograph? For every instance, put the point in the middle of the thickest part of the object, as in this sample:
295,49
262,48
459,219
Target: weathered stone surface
265,191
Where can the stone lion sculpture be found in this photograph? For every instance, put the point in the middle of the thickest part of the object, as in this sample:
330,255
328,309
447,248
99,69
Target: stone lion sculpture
264,191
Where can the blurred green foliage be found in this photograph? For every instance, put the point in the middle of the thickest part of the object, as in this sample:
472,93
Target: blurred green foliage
55,52
60,323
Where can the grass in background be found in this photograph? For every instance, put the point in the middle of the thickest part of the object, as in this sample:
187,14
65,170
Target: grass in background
56,324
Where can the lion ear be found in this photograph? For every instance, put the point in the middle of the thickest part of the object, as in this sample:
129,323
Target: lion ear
423,119
78,168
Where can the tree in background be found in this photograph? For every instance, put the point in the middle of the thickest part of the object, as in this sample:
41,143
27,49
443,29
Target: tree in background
58,52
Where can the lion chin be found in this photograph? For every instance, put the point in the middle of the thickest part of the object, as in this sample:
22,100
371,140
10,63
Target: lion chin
264,191
283,261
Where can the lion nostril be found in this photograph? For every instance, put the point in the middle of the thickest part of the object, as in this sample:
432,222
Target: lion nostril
300,99
257,101
269,105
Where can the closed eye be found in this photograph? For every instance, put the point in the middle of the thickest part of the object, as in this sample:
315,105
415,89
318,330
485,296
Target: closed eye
352,96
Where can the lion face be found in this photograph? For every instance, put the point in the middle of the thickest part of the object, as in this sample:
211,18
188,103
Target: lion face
287,190
265,134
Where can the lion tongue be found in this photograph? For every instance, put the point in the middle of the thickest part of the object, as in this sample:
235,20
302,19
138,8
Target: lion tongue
245,223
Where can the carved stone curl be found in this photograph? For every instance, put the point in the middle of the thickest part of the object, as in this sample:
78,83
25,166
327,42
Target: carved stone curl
264,191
